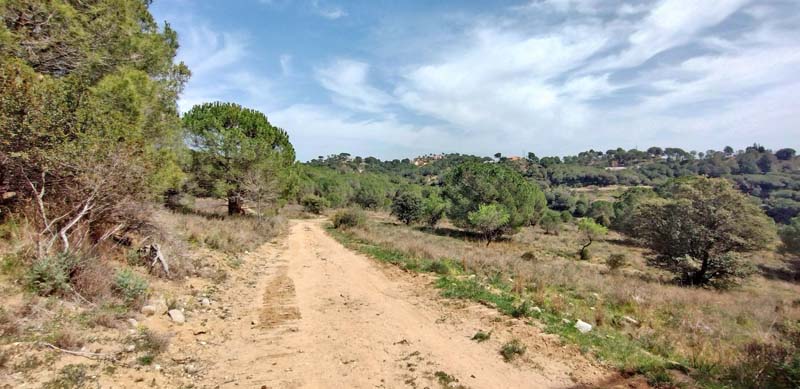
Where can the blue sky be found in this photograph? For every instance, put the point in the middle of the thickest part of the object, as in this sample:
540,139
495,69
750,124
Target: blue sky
396,79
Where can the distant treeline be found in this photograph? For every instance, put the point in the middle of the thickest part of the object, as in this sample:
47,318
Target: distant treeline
773,178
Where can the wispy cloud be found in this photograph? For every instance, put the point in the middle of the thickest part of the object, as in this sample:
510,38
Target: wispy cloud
328,11
347,79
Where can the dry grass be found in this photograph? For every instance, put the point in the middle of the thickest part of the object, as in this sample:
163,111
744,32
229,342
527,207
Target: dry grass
709,328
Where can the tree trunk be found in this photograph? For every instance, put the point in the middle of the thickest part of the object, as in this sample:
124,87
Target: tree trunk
699,277
235,204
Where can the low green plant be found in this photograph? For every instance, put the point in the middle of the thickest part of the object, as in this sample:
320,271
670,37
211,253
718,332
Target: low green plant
145,360
130,286
481,336
349,218
512,350
51,275
551,222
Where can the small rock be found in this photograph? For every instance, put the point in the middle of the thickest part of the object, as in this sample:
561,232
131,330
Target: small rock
536,309
191,369
205,302
177,316
565,321
130,348
583,326
149,310
157,367
133,322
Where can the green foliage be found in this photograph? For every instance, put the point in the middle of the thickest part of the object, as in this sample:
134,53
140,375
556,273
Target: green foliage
130,286
70,377
471,185
51,275
407,206
313,204
481,336
490,220
566,217
237,152
88,105
370,194
591,231
433,209
790,237
349,218
626,205
697,224
602,212
512,350
551,222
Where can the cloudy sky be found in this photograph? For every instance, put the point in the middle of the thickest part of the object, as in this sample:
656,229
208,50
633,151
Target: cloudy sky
396,79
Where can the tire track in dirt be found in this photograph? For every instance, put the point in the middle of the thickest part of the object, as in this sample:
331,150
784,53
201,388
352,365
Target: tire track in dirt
309,313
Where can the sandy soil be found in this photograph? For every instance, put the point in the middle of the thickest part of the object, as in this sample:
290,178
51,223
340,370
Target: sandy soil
314,314
305,312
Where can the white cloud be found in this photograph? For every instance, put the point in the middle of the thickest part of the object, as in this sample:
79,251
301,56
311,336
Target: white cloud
347,79
670,24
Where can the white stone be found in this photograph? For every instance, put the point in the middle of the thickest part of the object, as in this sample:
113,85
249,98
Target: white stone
583,326
205,302
177,316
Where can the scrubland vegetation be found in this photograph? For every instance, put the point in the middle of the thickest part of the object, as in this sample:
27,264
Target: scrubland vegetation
685,263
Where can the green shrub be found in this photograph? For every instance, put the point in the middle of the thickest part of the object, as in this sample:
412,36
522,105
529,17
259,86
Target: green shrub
481,336
512,349
407,207
490,220
349,218
616,261
566,217
585,254
130,286
313,204
51,275
433,209
551,222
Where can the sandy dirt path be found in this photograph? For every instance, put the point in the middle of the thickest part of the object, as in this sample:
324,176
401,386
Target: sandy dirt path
309,313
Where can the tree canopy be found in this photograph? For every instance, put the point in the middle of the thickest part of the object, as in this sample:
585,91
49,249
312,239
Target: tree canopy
236,151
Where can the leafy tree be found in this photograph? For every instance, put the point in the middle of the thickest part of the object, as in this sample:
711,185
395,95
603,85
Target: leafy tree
602,212
581,207
785,154
88,113
560,199
490,220
472,184
566,217
790,236
698,226
407,207
551,222
232,147
433,209
625,207
370,194
591,231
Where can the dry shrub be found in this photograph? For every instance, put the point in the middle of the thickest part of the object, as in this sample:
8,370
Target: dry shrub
66,339
92,280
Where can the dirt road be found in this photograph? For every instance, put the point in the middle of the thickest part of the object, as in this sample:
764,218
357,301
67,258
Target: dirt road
307,312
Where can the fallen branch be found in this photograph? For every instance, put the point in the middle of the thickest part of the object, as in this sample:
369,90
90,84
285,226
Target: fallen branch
84,354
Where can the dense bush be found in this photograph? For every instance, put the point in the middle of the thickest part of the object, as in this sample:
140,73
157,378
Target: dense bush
313,204
790,237
349,218
407,207
616,261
